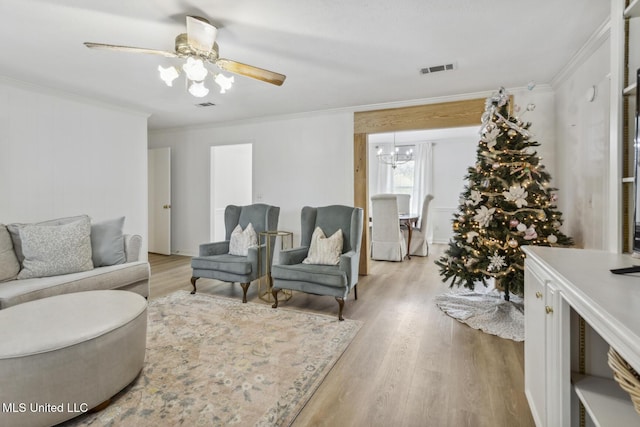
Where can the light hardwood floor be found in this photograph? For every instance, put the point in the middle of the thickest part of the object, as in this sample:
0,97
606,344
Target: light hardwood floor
410,364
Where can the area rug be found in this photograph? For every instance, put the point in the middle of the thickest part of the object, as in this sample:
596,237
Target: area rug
486,310
214,361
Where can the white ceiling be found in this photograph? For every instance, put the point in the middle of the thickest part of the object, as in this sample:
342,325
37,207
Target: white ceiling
335,53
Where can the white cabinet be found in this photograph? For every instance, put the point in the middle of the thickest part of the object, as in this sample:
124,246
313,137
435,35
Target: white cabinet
546,351
560,284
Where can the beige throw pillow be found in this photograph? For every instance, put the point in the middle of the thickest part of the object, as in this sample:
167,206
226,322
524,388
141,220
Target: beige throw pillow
242,240
324,250
51,250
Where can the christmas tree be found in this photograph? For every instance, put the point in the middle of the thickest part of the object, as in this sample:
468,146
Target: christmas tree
506,204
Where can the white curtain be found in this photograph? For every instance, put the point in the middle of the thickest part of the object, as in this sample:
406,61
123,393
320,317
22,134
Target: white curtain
422,174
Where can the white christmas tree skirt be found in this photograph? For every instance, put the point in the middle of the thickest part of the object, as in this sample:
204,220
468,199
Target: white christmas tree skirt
485,309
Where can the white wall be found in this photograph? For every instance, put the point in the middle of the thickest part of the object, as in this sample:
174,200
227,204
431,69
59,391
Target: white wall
582,132
61,156
300,161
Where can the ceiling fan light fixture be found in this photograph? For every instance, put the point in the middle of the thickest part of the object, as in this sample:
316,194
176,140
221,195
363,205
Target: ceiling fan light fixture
168,75
195,69
198,89
224,82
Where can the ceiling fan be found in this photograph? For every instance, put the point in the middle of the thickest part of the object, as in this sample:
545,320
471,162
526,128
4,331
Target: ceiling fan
199,42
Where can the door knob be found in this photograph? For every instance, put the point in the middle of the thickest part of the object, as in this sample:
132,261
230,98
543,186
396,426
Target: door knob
548,309
538,294
166,207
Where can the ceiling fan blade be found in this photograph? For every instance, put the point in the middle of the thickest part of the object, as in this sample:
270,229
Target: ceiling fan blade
251,71
130,49
200,33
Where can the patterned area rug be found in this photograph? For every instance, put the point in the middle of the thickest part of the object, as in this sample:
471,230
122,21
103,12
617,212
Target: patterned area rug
214,361
486,309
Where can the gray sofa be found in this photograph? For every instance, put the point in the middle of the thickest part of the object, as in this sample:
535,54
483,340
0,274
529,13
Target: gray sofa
128,274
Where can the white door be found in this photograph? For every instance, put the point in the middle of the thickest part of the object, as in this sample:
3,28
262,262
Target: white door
159,170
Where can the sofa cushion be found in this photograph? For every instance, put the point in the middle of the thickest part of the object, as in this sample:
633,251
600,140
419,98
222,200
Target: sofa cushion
226,262
132,276
14,230
51,250
9,265
107,242
326,275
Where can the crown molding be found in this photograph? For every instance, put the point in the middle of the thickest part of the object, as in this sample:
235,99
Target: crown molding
32,87
597,39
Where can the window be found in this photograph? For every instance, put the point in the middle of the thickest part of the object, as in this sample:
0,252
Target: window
403,176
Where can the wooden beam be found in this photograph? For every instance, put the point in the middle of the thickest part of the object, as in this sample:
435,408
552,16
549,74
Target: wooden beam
361,194
431,116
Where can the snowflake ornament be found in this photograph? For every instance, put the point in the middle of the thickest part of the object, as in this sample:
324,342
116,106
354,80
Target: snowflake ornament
496,262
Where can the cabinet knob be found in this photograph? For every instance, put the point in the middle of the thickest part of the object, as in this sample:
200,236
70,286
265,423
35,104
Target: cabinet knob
538,294
548,309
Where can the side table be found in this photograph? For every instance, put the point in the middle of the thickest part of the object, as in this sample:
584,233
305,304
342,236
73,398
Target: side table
269,237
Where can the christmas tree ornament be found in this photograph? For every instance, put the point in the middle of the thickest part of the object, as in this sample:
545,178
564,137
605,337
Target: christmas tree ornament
484,215
517,195
471,235
507,179
530,233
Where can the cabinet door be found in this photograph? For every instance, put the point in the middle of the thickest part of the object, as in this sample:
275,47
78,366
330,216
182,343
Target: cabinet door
535,345
557,356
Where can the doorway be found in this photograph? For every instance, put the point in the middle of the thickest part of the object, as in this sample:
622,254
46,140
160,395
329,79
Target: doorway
230,183
432,116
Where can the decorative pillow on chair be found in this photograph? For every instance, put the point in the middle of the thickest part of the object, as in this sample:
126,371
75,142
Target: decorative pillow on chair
9,265
324,250
107,242
51,250
242,240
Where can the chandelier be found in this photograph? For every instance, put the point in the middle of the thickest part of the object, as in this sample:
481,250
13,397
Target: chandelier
195,75
397,156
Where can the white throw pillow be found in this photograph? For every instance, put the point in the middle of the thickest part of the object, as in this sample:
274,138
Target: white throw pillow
242,240
51,250
324,250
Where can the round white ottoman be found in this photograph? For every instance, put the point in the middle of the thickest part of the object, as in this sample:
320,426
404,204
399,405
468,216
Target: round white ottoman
63,355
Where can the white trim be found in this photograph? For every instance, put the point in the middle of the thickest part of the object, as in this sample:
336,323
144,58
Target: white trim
613,215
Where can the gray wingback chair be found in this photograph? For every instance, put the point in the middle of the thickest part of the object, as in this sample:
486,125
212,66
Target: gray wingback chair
335,280
215,262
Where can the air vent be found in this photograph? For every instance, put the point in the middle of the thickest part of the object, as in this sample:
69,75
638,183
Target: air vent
206,104
437,68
